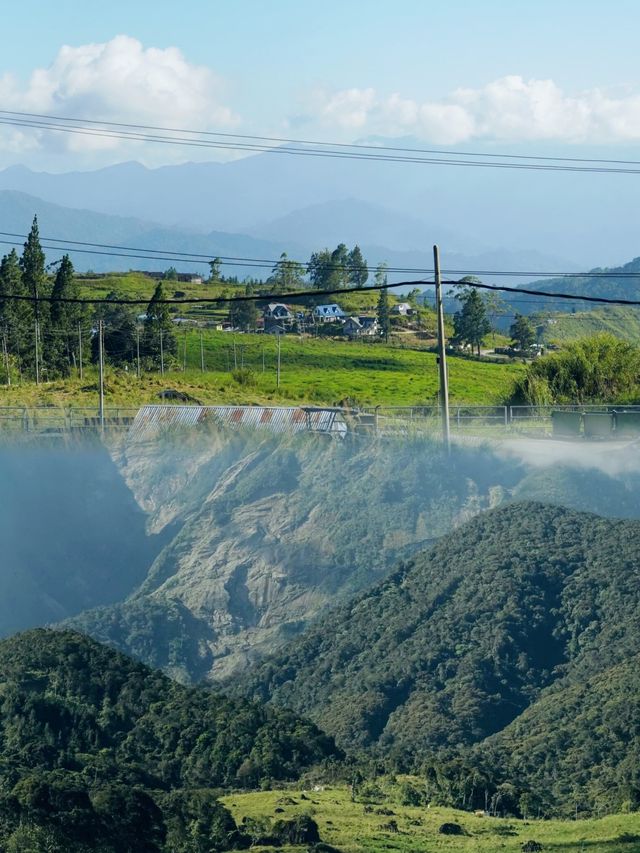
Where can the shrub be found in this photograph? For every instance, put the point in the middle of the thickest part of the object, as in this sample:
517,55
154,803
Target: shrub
245,376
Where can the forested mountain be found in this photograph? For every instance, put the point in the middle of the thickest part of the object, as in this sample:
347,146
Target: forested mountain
270,531
98,752
462,639
265,533
621,282
578,744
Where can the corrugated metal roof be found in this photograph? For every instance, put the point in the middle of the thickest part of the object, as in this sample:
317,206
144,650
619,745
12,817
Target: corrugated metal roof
151,419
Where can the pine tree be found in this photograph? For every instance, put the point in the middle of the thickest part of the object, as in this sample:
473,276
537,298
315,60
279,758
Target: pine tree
119,337
384,317
286,275
339,276
244,315
158,329
471,323
522,333
358,272
33,271
214,270
34,278
15,315
63,344
320,270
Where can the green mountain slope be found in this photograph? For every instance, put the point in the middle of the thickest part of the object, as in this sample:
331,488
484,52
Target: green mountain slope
266,533
95,747
271,531
460,640
620,283
580,741
621,321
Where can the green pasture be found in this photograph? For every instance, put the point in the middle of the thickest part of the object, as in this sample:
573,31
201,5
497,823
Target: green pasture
242,369
352,827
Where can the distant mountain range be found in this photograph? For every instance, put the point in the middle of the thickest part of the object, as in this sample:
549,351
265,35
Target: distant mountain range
583,219
311,229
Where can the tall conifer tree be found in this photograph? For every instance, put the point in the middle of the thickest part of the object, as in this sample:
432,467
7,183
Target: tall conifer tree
157,327
63,350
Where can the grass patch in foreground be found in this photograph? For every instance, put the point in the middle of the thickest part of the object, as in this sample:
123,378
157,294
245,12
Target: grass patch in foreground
346,826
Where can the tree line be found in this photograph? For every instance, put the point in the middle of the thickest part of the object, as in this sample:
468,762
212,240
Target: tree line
44,335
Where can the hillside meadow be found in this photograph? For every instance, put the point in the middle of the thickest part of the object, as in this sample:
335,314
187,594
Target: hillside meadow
318,371
368,826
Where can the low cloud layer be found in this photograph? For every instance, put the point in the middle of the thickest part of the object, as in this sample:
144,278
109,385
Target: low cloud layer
508,109
119,80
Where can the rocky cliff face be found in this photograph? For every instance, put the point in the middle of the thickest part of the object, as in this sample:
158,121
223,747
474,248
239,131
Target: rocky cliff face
265,533
269,532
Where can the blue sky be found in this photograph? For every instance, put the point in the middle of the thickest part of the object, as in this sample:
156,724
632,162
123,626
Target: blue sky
330,70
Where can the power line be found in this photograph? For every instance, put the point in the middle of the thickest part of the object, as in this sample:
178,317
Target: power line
299,294
238,260
137,133
288,140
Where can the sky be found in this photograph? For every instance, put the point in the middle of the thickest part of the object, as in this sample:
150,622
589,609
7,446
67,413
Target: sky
489,74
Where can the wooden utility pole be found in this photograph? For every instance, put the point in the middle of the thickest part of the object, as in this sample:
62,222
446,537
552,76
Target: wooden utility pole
101,371
5,353
137,352
80,349
278,368
184,361
37,337
161,354
442,355
201,352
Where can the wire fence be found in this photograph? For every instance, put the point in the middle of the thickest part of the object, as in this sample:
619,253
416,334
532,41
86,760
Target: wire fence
569,421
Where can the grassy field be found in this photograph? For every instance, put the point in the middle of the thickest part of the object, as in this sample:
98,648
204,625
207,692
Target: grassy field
347,827
321,371
317,371
623,322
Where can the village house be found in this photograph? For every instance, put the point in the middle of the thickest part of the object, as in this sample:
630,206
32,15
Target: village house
328,313
402,308
359,327
277,311
279,315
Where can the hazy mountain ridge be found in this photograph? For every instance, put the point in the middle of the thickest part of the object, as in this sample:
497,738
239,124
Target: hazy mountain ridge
591,220
621,282
293,204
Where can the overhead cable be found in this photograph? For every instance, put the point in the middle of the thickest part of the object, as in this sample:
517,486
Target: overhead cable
141,133
299,294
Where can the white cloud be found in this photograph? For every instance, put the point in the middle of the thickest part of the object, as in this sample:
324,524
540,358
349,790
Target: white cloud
119,80
508,109
348,108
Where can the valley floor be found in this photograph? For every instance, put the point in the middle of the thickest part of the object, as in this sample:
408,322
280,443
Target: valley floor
346,826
